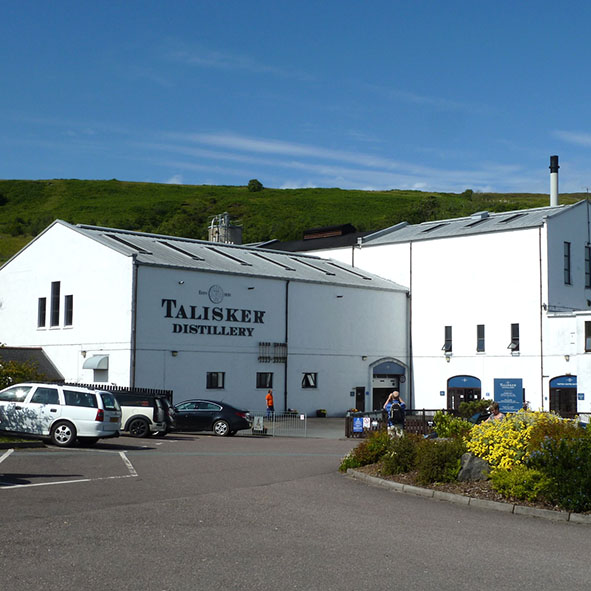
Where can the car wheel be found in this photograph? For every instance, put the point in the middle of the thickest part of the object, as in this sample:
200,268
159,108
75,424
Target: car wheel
221,428
63,434
139,428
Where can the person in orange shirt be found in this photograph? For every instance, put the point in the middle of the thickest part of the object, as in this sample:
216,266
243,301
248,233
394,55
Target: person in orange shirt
270,405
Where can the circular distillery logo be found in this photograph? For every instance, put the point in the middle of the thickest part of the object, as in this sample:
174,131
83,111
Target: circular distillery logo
216,294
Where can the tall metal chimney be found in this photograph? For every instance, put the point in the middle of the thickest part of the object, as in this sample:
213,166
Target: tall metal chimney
554,181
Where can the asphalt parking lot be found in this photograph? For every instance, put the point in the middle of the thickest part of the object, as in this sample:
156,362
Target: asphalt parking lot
199,512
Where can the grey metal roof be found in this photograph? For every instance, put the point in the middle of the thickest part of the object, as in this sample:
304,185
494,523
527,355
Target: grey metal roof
199,255
478,223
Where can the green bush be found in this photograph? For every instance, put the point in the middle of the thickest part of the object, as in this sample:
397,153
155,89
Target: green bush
369,451
566,462
520,482
447,425
439,460
402,455
254,185
467,409
14,372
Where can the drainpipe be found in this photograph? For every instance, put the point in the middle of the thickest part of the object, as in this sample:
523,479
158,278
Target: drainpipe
285,407
133,318
411,382
541,320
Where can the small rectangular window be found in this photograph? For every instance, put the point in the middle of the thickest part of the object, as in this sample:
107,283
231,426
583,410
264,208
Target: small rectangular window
514,344
55,304
588,267
480,338
447,344
264,379
68,310
41,312
587,336
567,277
310,380
215,380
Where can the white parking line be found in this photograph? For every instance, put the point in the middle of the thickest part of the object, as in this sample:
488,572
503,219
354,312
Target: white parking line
5,455
122,454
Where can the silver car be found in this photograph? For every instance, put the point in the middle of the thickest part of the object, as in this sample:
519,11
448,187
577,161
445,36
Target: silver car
62,414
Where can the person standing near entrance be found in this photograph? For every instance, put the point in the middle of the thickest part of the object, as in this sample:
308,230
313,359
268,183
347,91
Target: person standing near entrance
395,408
270,404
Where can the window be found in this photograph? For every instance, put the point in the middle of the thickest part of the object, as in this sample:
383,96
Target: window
55,303
75,398
215,380
41,312
480,338
567,278
587,336
45,396
310,380
68,310
588,266
514,344
264,379
447,343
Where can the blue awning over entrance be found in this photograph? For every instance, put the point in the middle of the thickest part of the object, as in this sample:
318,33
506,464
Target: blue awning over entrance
564,382
463,382
388,368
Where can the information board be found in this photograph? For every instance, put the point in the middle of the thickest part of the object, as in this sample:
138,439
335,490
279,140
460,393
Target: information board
509,394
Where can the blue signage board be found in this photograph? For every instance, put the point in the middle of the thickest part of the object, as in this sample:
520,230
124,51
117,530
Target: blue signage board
581,395
509,394
357,424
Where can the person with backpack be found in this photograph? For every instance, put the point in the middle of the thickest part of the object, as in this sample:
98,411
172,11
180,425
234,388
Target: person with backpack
395,407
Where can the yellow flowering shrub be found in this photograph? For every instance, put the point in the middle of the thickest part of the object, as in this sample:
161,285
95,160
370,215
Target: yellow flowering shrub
505,443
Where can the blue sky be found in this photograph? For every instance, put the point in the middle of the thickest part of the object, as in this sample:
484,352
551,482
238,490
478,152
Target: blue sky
429,95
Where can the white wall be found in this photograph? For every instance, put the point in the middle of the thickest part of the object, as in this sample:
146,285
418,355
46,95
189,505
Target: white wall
326,334
100,281
572,226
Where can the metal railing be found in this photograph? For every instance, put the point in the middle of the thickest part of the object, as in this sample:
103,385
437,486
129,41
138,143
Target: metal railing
278,424
418,421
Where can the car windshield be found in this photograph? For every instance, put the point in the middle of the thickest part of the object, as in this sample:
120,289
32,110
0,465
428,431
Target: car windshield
109,401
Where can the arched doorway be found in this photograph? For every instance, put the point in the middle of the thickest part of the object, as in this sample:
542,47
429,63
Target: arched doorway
563,395
462,389
387,375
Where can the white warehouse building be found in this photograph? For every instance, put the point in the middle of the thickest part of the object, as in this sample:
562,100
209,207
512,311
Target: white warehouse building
500,303
206,319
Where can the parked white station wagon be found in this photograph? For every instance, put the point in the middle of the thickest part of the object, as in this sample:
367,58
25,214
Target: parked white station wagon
62,414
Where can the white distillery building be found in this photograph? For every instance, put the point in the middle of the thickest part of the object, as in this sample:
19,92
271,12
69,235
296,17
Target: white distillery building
500,303
206,319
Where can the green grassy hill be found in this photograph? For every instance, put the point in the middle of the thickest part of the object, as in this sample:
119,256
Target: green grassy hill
27,207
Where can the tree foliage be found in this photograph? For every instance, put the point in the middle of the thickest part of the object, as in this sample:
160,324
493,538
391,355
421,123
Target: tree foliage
14,372
255,185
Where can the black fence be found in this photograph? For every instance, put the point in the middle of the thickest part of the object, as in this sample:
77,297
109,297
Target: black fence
418,421
140,392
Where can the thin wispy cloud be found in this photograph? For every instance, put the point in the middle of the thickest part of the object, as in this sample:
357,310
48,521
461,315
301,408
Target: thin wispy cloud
318,166
219,60
434,101
579,138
